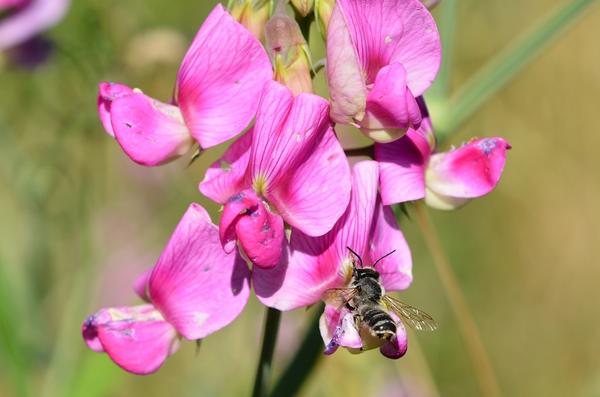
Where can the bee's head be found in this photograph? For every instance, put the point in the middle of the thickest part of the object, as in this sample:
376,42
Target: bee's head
365,272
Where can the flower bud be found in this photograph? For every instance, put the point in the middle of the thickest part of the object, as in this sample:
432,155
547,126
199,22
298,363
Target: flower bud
253,14
323,10
304,7
289,52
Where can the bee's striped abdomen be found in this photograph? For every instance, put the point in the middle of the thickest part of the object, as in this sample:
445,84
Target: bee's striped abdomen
379,322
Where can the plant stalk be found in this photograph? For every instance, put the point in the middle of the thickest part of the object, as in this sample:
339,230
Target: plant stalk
263,371
468,328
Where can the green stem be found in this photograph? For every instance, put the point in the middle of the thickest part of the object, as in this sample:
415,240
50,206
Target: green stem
468,328
505,66
263,371
305,359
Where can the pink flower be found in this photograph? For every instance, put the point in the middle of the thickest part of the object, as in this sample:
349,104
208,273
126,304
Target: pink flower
217,90
411,170
194,290
28,18
381,55
289,167
316,264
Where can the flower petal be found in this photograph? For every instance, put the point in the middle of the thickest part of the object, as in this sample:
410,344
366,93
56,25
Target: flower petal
398,345
313,264
260,232
108,92
391,107
150,132
137,338
287,131
338,328
396,269
365,36
220,79
301,276
470,171
402,165
197,286
316,193
140,285
225,177
345,77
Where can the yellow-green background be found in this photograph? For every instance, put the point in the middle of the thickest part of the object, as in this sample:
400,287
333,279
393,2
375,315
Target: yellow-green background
78,221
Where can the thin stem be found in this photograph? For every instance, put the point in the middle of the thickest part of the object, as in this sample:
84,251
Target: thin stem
305,359
263,371
481,363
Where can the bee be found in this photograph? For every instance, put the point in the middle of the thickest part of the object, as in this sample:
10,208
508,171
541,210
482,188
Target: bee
366,299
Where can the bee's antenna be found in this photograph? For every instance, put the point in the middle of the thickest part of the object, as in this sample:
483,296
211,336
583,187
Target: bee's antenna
385,256
358,256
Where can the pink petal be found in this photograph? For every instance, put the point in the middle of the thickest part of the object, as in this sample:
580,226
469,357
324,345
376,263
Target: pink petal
137,339
108,92
220,79
365,36
34,18
314,264
347,86
402,166
391,107
338,329
286,132
316,193
396,269
225,177
259,231
140,285
305,271
197,286
149,131
470,171
398,345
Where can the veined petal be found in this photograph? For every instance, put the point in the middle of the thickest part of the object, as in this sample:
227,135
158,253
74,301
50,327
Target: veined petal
315,194
108,92
402,166
305,271
196,285
287,131
345,75
221,78
396,269
391,107
394,31
226,176
150,132
469,171
138,339
260,232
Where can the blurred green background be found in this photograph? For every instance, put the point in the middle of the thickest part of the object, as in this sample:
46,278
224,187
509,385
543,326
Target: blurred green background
79,220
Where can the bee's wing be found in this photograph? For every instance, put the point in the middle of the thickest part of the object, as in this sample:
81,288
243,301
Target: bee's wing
338,297
411,316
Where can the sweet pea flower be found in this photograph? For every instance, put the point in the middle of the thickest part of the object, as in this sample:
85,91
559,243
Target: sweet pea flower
194,290
290,167
316,264
410,169
216,93
381,55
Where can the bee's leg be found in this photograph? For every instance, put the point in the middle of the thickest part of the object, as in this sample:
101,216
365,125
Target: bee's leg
349,306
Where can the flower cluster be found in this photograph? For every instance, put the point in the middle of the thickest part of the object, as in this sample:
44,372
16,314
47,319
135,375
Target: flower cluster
291,201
